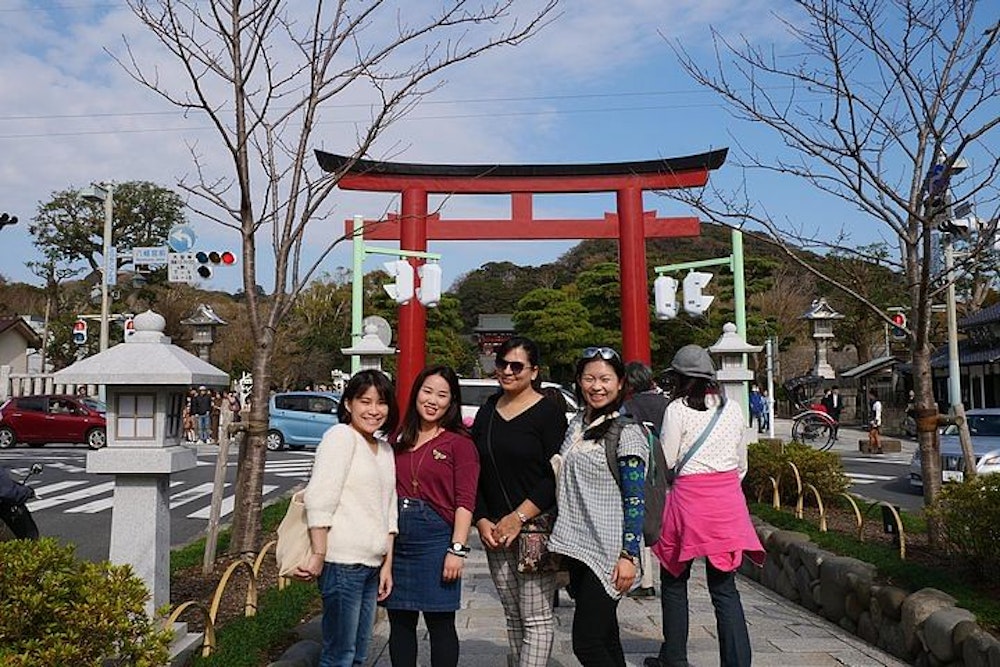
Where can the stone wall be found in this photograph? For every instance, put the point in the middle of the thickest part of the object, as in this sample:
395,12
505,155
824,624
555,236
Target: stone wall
924,628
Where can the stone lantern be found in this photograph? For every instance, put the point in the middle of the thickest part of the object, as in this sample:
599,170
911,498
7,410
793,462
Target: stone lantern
733,373
204,321
821,317
146,380
370,349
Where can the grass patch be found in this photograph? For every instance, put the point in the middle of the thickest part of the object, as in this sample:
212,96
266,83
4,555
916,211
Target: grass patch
905,574
245,641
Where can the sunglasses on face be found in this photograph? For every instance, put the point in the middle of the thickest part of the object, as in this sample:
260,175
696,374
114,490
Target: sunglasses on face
515,366
605,353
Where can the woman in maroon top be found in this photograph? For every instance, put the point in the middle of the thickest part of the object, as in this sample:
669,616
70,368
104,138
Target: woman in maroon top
437,469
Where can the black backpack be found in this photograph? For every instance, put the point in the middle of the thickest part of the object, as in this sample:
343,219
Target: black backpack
658,476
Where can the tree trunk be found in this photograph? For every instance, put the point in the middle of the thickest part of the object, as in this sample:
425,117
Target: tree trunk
246,531
927,438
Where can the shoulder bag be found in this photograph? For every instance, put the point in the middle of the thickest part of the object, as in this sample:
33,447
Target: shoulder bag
294,547
533,555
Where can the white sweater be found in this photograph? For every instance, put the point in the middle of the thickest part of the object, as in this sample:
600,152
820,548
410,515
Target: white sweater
353,492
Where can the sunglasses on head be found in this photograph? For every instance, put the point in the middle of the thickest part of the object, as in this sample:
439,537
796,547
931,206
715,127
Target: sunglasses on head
514,366
605,353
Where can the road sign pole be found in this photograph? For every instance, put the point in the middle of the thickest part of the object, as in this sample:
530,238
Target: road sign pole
357,288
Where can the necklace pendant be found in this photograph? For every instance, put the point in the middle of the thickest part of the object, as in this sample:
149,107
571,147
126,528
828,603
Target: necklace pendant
415,484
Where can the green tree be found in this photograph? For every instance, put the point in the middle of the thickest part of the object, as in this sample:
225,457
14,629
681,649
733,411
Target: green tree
600,293
557,321
71,228
445,342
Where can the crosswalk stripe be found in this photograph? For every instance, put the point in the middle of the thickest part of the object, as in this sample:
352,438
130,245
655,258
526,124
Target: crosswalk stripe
865,478
88,492
190,495
48,489
101,504
227,504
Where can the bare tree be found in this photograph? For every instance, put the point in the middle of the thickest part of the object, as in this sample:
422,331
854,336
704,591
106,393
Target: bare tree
879,108
265,73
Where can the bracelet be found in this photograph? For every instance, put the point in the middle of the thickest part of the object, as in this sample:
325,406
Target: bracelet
459,549
627,556
460,554
522,516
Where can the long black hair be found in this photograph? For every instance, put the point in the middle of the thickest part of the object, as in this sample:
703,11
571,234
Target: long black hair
692,390
360,383
450,421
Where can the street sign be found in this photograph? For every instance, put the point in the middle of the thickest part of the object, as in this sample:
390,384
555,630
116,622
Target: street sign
181,267
149,255
112,265
181,238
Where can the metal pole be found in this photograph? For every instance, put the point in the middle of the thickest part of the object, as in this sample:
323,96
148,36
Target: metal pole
739,285
770,386
108,211
954,369
357,288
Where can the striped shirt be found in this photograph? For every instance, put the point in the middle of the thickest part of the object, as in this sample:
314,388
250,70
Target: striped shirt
590,520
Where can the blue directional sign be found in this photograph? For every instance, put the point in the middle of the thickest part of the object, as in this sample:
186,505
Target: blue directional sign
181,238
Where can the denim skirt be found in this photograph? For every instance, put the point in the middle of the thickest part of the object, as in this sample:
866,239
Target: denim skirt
418,561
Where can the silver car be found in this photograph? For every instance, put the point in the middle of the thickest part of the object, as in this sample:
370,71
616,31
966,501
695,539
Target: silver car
984,426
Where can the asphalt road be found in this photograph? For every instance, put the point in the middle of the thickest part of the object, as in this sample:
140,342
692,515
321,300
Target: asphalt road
75,506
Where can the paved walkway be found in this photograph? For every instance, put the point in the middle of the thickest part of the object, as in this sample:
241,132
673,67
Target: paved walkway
782,634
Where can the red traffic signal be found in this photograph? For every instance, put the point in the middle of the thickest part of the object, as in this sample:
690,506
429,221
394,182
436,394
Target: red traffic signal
80,332
899,319
206,260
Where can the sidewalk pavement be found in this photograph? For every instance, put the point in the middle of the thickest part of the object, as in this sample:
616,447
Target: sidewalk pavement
782,634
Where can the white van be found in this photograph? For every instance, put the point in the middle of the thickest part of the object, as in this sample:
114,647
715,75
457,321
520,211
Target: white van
476,391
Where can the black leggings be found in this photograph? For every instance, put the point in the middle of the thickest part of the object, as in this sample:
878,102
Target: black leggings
403,637
596,638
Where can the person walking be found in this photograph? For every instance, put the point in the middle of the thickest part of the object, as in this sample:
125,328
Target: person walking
833,404
875,422
201,410
437,469
705,516
757,408
516,434
598,529
350,503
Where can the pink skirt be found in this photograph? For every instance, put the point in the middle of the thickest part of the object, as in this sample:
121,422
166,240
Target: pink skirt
706,515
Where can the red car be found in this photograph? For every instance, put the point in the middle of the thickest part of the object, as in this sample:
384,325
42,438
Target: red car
37,420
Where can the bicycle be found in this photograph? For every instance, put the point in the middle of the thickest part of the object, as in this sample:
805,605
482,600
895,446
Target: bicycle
814,428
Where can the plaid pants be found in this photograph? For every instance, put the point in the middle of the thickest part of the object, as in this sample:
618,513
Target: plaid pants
527,604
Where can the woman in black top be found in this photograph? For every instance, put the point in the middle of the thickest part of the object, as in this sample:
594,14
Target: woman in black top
516,434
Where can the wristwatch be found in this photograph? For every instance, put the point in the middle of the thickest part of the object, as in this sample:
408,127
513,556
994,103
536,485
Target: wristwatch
459,549
522,516
629,557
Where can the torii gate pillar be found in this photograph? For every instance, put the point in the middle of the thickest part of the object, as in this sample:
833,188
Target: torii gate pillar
630,225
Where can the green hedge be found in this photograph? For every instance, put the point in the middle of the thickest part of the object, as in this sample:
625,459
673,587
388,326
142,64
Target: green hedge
970,516
56,610
823,470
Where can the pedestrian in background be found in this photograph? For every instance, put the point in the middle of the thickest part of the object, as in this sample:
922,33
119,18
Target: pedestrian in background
516,434
437,469
705,516
350,505
599,526
757,408
875,423
833,404
201,410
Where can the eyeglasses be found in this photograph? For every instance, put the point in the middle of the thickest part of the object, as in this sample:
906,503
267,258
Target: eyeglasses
515,366
605,353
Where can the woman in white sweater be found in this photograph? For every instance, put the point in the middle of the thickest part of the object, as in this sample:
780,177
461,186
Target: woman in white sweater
351,511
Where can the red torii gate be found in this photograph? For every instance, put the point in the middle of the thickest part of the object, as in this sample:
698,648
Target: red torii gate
414,226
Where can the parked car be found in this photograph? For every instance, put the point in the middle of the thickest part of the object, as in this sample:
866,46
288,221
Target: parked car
476,391
299,419
984,427
38,420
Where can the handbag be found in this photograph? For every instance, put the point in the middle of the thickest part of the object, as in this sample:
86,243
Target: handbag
533,555
294,546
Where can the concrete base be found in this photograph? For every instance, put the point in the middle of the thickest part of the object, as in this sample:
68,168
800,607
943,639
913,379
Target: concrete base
184,645
889,446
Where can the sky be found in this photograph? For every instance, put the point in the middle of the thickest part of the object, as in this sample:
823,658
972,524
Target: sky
598,84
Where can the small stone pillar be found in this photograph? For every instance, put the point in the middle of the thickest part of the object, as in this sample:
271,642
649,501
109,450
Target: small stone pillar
146,379
733,373
821,317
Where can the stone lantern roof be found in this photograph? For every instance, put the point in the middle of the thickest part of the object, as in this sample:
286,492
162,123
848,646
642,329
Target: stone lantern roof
204,315
731,342
146,358
821,310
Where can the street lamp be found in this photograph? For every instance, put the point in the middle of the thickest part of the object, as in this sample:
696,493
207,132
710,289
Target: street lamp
104,192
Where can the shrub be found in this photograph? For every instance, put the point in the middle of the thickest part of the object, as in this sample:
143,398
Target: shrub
823,470
970,515
56,610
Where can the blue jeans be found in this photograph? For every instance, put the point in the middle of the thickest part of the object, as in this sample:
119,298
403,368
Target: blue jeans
730,623
349,593
204,423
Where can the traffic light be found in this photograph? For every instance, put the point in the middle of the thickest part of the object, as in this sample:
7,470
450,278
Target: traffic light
128,329
665,297
7,219
429,292
209,260
80,332
696,303
402,290
899,326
